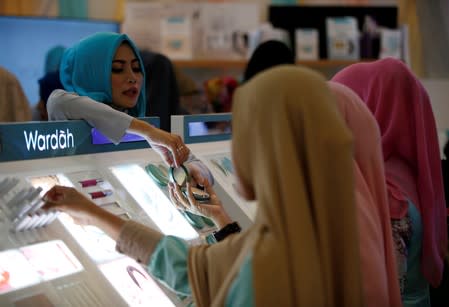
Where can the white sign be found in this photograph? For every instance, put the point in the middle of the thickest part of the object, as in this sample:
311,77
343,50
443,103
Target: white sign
60,139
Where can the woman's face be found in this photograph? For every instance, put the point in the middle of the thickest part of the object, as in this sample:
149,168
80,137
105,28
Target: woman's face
126,77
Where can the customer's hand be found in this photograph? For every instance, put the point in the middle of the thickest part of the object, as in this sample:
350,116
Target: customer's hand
213,209
196,175
83,210
72,202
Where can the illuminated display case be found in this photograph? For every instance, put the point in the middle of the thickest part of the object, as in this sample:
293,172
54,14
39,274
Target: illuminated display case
116,177
65,264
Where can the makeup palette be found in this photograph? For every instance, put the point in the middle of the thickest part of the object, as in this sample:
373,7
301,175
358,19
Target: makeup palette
179,175
157,174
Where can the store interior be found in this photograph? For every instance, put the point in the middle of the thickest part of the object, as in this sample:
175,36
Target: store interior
46,258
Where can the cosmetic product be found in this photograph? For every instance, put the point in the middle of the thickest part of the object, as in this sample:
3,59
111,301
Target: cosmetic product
100,194
18,198
7,184
53,216
164,169
35,220
22,224
32,205
208,222
200,195
195,220
179,175
22,204
90,182
157,175
44,217
18,203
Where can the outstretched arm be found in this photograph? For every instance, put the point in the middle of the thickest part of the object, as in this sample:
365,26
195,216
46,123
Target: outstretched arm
164,256
83,210
114,124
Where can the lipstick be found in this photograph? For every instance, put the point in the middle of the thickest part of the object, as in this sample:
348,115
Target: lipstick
100,194
90,182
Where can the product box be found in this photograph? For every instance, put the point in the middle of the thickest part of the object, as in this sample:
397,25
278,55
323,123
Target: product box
263,33
176,34
390,43
342,38
307,44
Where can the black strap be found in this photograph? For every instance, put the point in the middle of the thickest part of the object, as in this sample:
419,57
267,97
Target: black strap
226,231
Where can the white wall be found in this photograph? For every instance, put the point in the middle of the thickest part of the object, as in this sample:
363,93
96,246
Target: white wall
438,90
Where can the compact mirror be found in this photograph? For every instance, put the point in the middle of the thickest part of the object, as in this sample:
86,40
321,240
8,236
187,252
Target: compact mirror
179,175
200,195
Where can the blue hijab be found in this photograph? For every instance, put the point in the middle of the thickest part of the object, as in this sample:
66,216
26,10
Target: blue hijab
86,68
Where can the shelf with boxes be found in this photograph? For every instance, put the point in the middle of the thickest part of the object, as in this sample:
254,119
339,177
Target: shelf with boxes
341,32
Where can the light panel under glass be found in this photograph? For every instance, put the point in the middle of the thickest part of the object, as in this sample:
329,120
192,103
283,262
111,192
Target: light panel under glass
36,263
153,201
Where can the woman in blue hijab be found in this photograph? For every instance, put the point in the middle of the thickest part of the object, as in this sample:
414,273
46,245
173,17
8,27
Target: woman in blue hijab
103,79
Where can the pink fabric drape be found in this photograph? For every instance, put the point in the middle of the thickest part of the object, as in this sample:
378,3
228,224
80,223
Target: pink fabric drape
380,280
410,148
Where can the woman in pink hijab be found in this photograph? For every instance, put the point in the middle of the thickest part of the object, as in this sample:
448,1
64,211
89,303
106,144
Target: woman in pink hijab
410,148
377,256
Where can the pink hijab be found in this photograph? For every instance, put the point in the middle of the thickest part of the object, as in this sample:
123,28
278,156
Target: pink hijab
410,148
380,280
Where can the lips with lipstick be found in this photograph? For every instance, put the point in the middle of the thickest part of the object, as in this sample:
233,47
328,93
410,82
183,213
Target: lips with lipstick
132,92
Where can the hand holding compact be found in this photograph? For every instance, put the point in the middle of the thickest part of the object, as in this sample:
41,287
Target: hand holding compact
196,176
187,201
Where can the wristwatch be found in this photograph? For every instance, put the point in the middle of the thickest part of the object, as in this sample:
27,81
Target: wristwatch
226,231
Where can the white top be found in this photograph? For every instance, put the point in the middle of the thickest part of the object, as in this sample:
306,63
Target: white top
62,105
112,123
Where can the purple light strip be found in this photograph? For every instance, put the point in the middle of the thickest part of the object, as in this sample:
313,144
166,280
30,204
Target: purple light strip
98,138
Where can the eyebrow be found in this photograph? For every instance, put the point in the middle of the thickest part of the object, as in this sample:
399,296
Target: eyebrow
124,62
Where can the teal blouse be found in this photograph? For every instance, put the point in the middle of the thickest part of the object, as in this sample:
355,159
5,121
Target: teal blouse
168,264
416,291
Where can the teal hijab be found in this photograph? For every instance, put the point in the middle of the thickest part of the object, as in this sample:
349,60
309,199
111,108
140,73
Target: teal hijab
86,68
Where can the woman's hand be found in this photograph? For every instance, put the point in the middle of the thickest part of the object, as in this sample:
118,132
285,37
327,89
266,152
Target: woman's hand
72,202
214,209
169,146
82,210
196,176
